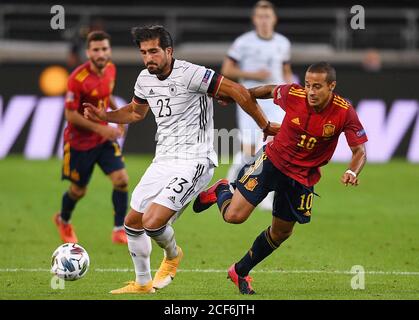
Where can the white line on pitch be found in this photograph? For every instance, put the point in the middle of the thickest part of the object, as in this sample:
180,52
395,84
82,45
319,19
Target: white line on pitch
398,273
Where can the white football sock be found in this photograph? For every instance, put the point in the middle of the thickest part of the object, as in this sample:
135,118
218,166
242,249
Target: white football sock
139,246
165,238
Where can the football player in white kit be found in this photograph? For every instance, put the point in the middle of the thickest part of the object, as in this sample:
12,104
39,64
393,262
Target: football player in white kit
256,58
179,94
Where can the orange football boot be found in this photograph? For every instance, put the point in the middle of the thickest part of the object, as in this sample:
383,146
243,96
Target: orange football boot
242,283
65,230
119,236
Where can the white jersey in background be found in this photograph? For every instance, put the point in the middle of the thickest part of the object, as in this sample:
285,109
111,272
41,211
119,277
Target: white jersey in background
183,111
252,53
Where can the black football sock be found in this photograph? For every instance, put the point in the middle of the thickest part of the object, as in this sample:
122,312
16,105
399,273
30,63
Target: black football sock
262,247
67,207
120,205
224,196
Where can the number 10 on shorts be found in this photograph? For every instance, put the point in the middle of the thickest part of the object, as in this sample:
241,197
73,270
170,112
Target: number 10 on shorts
306,202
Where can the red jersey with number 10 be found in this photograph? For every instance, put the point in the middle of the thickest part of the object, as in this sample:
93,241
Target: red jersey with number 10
307,139
84,85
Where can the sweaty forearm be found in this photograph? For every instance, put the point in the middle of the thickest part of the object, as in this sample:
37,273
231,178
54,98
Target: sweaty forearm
262,92
358,161
123,115
249,105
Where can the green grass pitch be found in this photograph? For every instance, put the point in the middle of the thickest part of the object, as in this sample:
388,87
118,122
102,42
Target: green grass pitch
374,225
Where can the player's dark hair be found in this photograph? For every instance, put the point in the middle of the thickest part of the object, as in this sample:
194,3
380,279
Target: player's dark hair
151,32
323,67
97,36
263,4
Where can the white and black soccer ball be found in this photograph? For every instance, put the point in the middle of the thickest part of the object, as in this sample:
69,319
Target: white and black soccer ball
70,261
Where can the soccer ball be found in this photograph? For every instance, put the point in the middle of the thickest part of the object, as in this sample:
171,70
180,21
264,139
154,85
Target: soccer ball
70,261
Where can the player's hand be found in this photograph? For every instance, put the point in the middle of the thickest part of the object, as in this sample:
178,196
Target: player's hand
271,130
261,75
93,113
109,133
348,178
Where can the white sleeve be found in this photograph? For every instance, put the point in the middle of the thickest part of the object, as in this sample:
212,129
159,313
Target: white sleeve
235,50
198,78
138,90
287,51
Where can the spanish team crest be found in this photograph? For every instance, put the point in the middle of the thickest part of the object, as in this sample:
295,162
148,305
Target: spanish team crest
328,130
251,184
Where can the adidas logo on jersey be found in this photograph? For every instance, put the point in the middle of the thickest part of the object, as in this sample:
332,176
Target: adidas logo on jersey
296,121
172,198
151,91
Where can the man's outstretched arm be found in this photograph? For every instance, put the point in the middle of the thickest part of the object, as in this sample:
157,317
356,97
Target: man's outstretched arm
131,112
359,157
263,92
248,103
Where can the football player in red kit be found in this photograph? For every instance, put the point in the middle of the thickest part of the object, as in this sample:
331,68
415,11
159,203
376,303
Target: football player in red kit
290,164
87,143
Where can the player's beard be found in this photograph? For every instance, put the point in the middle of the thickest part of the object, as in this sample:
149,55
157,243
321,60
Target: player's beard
100,63
156,70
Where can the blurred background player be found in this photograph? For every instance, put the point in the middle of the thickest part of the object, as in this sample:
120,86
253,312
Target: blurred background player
261,56
290,164
77,38
87,143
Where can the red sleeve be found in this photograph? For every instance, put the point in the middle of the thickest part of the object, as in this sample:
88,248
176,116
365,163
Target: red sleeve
281,95
72,98
354,132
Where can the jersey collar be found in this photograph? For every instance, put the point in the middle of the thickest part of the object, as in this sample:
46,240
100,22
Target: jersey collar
168,75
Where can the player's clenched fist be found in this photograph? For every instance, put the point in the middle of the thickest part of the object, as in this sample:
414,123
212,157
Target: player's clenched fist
349,178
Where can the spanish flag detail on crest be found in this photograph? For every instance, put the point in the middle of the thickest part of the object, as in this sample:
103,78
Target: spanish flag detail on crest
251,184
328,130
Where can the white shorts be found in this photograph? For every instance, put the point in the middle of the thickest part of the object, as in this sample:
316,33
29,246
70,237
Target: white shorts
250,133
171,184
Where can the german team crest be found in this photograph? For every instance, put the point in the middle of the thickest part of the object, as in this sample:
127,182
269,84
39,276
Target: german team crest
251,184
172,89
328,130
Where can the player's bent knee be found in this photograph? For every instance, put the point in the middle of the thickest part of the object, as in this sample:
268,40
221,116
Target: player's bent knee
134,221
120,180
120,183
77,192
150,222
235,217
121,186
